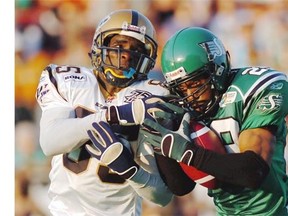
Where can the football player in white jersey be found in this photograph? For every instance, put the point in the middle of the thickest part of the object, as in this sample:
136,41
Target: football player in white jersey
71,98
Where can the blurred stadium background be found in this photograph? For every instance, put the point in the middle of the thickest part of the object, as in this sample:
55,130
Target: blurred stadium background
60,31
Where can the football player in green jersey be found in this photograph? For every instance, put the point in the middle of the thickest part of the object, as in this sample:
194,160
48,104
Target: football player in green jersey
245,106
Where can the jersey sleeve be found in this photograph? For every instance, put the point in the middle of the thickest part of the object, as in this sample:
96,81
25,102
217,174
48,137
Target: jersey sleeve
48,95
60,130
64,86
268,107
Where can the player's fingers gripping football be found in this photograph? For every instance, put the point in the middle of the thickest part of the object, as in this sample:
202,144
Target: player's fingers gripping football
174,144
108,149
170,122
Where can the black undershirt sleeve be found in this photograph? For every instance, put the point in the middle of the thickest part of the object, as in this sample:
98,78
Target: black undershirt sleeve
246,169
173,176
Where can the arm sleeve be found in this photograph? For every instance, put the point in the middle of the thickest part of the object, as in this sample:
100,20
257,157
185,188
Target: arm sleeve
151,187
147,182
174,176
63,127
268,107
61,131
245,169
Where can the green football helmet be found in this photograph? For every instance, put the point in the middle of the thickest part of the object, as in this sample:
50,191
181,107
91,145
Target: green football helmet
190,54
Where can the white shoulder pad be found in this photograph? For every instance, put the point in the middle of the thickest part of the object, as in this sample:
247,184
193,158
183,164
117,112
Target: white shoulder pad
155,87
60,85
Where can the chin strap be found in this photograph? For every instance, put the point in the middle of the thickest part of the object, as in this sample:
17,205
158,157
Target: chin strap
117,80
112,72
129,73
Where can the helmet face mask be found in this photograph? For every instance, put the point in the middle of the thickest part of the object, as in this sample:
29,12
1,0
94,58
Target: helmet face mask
193,54
131,24
196,100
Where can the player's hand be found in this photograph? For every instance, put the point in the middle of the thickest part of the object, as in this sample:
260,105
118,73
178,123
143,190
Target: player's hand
173,144
108,149
135,112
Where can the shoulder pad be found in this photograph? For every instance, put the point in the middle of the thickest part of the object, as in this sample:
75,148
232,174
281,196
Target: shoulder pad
251,80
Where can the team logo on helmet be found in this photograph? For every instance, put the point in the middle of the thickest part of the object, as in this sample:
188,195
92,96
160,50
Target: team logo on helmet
213,49
127,27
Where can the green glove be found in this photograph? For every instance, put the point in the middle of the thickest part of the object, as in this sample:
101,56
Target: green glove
173,144
169,119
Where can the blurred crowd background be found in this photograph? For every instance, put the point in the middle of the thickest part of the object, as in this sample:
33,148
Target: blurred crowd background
60,31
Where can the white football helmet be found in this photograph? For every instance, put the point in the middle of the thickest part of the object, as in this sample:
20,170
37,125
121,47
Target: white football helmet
129,23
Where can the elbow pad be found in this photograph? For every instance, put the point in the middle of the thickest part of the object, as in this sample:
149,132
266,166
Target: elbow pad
246,169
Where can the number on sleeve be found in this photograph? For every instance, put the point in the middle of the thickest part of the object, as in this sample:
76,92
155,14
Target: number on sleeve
64,69
255,70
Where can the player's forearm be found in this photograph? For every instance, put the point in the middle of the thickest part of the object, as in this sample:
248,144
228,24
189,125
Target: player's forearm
61,132
245,169
151,187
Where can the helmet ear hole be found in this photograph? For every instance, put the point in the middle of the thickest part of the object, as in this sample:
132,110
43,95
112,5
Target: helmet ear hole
107,40
98,60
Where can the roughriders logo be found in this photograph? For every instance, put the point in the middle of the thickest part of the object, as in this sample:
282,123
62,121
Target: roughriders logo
136,94
213,49
273,101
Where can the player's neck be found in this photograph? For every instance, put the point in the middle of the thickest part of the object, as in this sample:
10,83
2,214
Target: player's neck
106,88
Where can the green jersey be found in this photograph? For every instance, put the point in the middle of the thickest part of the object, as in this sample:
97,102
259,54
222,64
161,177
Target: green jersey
257,97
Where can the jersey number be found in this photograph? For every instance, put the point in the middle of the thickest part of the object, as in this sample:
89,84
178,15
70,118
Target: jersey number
228,130
80,164
78,160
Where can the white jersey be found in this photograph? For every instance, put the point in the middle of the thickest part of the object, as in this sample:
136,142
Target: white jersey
80,185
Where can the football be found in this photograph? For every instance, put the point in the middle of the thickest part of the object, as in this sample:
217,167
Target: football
208,139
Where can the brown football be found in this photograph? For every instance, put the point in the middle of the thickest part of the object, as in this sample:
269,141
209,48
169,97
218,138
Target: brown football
208,139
